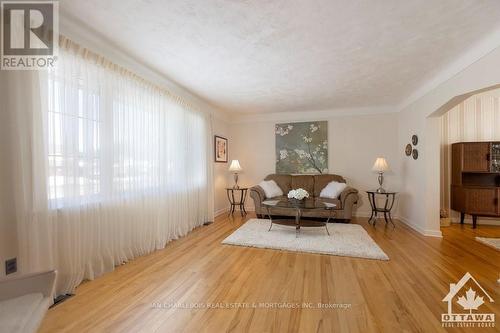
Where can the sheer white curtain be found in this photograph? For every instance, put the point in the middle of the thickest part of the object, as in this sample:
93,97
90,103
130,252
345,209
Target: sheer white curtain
117,168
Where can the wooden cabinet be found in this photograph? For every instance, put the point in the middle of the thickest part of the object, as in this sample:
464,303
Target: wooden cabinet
475,179
476,157
457,198
481,201
457,151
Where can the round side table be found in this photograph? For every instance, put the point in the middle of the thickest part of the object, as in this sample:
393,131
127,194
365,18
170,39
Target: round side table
237,200
390,197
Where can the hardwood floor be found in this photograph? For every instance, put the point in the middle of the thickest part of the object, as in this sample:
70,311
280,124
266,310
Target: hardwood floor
400,295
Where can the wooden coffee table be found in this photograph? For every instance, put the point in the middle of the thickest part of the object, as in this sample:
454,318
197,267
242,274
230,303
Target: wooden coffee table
297,208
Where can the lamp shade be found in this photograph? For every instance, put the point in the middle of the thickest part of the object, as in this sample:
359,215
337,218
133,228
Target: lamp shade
380,165
235,166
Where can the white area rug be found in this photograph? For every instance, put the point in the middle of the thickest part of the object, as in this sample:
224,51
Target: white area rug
493,242
349,240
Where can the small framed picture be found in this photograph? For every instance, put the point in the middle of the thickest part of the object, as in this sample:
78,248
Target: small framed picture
220,146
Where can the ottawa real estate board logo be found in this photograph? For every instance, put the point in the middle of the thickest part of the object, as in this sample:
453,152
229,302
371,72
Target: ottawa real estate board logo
469,296
29,34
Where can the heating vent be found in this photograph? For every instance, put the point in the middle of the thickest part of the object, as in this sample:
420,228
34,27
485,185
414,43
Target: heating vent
11,266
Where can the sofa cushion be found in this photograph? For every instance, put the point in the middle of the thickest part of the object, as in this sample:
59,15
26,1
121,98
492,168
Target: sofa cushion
271,189
320,182
24,313
283,181
332,190
303,181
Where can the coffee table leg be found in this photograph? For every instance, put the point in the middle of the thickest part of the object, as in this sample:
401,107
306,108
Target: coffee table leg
297,222
270,219
328,220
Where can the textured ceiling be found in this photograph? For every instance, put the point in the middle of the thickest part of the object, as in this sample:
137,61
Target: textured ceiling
293,55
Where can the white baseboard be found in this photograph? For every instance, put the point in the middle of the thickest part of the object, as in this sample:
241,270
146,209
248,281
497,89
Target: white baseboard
361,214
221,211
425,232
226,210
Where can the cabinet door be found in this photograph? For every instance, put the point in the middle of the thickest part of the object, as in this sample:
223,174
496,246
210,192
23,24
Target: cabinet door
457,152
476,157
482,201
457,198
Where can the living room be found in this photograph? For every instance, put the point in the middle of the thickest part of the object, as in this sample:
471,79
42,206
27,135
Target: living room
237,166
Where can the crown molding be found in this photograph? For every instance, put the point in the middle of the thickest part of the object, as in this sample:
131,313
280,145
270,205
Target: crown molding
307,115
88,37
479,50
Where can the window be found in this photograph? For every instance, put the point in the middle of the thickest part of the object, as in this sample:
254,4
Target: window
110,135
73,124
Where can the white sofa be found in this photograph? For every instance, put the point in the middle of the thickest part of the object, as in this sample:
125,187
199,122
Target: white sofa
24,300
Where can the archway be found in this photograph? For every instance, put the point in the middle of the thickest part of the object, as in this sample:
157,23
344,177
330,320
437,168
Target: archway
433,152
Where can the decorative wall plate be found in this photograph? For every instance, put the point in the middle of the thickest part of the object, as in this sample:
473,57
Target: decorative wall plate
408,150
414,139
415,154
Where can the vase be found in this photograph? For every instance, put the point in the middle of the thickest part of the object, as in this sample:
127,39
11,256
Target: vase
296,201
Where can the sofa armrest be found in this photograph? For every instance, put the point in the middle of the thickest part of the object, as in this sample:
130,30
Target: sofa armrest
43,283
348,192
258,195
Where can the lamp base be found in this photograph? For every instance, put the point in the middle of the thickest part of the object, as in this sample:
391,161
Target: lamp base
380,182
236,186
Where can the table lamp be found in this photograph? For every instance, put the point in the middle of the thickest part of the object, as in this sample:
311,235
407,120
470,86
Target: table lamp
235,167
380,166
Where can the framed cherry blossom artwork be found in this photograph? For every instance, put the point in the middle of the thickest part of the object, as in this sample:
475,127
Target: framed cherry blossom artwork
220,146
302,148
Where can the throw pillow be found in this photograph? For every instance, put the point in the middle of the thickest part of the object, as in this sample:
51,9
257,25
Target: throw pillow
332,190
271,189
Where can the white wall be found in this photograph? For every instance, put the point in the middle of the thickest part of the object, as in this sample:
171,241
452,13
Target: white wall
221,127
419,205
353,144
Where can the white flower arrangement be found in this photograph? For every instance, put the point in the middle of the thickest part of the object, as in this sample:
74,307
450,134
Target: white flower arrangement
298,194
